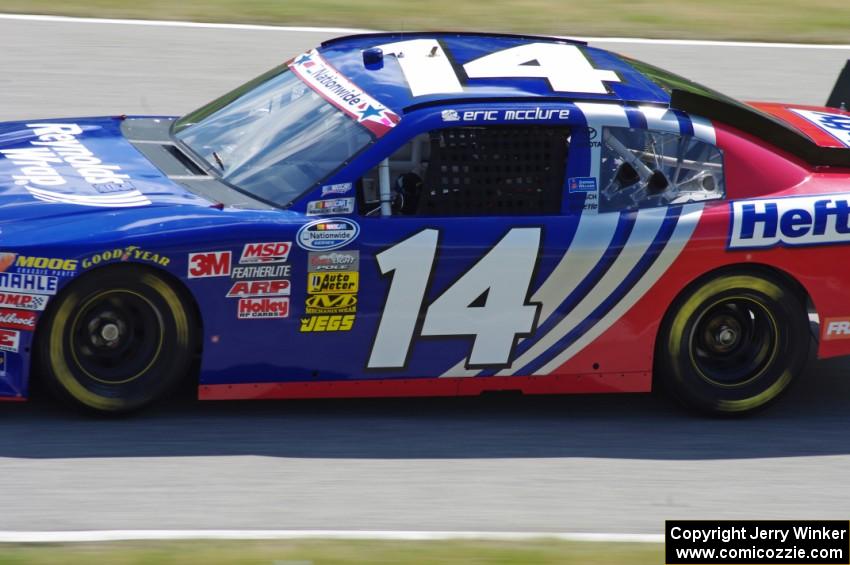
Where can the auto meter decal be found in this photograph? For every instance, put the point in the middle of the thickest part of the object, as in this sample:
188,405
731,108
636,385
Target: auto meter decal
328,82
323,235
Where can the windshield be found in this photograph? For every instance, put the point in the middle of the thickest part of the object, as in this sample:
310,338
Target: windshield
274,138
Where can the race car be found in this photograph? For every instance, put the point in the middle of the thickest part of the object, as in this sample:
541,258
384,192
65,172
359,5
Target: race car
429,214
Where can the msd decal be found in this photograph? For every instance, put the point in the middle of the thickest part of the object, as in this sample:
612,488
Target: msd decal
242,289
213,264
836,125
259,308
10,340
276,252
804,220
18,320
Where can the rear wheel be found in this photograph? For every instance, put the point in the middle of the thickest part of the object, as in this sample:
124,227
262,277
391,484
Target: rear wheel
733,343
116,340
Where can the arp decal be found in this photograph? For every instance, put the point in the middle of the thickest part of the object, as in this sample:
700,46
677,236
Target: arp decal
264,253
17,282
327,323
209,264
20,301
263,308
10,340
243,289
333,261
792,221
341,282
324,235
18,319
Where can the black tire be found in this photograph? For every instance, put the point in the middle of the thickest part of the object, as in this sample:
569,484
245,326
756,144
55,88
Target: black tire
733,343
115,340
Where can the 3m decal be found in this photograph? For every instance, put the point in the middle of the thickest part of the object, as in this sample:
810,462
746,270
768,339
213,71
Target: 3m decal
275,252
330,207
35,302
259,288
261,272
339,188
342,282
836,125
211,264
10,340
428,69
323,235
128,253
334,261
18,319
329,83
836,328
489,302
803,220
257,308
17,282
327,323
331,304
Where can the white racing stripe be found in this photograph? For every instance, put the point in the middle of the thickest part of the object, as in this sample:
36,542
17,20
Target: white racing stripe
330,30
168,535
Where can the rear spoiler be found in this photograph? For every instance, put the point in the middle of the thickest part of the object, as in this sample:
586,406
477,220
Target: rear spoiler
840,97
760,125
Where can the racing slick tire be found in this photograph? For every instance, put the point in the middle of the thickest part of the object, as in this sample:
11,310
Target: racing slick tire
115,340
733,343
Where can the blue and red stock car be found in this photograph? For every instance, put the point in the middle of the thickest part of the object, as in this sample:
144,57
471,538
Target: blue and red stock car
429,214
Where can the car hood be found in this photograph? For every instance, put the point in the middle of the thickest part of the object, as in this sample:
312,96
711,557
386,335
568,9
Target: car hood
69,167
827,127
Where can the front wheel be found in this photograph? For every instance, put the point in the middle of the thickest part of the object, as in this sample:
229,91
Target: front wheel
733,343
116,340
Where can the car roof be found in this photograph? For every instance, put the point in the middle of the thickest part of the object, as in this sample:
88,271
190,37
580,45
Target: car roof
387,83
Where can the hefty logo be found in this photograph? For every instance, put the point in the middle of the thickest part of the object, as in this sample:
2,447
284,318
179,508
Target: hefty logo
254,308
10,340
277,252
17,320
805,220
23,301
259,288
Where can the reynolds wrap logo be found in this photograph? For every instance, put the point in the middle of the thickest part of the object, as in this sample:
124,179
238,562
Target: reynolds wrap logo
805,220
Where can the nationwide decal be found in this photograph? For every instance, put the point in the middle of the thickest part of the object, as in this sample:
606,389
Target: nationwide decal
323,235
20,301
793,221
329,83
339,188
128,253
836,328
327,323
18,319
263,308
210,264
33,284
836,125
331,304
333,261
330,207
275,252
333,282
261,272
10,340
242,289
52,266
56,146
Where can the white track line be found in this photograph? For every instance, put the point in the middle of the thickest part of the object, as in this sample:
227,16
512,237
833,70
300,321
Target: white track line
170,535
340,30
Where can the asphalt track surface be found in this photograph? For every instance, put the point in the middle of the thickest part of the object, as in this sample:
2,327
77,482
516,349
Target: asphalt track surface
595,464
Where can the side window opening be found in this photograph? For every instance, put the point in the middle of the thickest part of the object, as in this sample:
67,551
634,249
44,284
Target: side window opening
643,168
474,171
